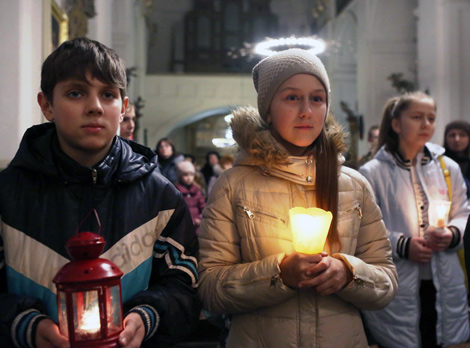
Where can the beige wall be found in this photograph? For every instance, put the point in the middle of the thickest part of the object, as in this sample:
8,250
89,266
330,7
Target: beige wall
172,100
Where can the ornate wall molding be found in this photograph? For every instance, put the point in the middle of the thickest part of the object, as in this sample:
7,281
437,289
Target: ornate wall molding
79,12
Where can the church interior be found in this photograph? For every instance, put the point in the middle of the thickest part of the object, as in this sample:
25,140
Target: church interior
189,61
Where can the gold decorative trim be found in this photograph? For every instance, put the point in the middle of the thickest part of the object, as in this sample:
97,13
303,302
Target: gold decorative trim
59,25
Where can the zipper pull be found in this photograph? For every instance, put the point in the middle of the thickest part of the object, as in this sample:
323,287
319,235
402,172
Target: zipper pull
274,280
359,210
248,212
94,175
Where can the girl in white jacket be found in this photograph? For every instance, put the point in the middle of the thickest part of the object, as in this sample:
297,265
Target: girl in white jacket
289,157
430,308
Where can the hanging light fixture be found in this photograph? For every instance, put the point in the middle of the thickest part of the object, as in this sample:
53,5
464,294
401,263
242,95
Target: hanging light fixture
89,296
228,140
271,46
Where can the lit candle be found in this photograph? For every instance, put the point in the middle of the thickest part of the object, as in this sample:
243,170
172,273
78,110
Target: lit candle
90,323
439,213
309,229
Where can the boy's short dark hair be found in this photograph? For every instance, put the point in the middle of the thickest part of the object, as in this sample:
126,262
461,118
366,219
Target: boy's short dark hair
74,58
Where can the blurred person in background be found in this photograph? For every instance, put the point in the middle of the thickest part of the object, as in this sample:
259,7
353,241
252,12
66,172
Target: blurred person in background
457,145
225,162
191,191
127,125
212,158
168,159
373,141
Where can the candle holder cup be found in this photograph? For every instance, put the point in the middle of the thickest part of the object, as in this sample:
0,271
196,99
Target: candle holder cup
310,228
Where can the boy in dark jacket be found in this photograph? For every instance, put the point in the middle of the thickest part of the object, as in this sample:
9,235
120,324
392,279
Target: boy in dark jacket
71,166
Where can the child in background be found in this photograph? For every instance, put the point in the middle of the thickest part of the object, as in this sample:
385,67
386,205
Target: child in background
192,192
430,309
75,164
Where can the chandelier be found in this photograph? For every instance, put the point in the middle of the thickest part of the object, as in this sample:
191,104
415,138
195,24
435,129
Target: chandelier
271,46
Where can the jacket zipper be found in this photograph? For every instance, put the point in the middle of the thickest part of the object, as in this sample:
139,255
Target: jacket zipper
94,175
357,208
248,212
251,215
275,279
361,282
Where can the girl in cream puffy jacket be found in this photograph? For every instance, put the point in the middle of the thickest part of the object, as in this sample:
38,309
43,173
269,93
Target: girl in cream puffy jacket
289,157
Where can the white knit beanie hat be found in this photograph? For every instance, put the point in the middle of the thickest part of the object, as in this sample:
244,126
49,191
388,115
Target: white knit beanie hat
185,167
272,71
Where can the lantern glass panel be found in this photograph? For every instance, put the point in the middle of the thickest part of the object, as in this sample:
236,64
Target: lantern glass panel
64,330
113,303
86,315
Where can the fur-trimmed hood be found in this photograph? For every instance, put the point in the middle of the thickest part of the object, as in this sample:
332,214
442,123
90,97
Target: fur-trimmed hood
259,148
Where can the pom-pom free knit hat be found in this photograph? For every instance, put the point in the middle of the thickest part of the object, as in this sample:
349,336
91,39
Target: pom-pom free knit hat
185,167
272,71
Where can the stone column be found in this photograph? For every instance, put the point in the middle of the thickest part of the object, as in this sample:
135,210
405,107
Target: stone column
443,58
21,56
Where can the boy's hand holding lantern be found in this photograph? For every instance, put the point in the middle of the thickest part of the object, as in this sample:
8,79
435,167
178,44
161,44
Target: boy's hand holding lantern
309,229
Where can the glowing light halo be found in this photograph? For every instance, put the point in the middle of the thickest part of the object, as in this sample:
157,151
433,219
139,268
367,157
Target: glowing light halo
311,44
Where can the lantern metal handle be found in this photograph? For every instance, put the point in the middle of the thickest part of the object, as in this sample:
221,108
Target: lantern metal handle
87,216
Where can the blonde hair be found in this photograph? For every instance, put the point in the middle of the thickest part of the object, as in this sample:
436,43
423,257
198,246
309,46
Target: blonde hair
225,159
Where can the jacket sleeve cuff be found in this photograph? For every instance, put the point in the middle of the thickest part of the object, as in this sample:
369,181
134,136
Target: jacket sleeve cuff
150,318
23,329
456,237
403,247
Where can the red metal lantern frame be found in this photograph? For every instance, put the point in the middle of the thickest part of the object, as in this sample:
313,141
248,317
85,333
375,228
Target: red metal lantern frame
88,275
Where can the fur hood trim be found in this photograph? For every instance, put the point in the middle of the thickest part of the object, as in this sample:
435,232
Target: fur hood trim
254,138
256,142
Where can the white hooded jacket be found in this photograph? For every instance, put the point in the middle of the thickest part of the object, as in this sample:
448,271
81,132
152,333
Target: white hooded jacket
398,324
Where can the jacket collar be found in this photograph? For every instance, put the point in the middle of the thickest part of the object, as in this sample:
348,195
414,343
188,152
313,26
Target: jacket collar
40,152
431,152
191,190
300,170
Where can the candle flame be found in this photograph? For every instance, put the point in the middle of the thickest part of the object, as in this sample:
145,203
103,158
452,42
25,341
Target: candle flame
441,211
90,322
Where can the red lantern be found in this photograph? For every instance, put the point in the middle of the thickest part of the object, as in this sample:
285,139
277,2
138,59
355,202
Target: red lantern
89,297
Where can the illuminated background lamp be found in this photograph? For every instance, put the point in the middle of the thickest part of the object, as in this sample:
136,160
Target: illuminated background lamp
89,297
309,229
